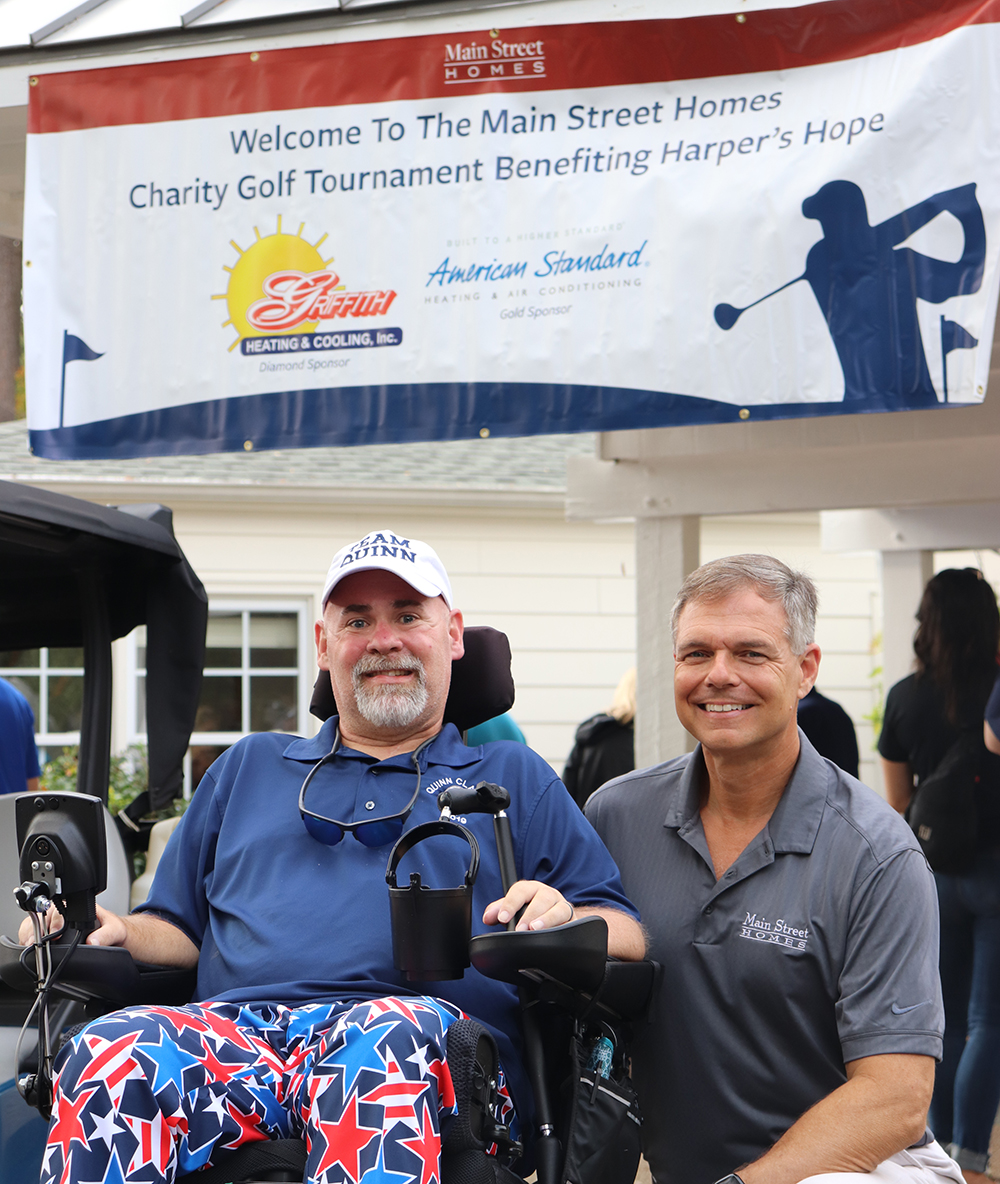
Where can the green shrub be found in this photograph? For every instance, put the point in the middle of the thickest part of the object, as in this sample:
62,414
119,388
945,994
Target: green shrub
128,778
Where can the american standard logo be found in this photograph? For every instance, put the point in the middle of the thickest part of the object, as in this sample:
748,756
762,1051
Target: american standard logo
475,61
778,933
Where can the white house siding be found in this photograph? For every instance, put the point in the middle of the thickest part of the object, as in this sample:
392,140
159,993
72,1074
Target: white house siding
988,563
264,527
563,593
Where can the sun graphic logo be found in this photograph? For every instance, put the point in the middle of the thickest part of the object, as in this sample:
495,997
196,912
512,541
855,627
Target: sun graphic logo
281,284
251,280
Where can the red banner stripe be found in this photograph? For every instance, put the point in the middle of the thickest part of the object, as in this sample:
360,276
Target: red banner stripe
571,56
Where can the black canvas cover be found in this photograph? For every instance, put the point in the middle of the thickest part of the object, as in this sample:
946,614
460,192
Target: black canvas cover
64,563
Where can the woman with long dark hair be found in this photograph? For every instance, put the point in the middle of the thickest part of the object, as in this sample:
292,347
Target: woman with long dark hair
956,647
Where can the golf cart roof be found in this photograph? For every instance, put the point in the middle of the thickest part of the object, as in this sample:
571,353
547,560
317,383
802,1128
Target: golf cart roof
77,574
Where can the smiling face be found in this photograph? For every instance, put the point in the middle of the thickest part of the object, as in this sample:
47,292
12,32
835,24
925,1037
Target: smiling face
737,683
389,652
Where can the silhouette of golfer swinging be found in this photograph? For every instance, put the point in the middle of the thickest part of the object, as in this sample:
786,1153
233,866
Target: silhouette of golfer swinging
868,290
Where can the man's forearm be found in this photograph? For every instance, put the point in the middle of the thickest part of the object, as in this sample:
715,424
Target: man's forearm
898,779
626,939
880,1110
151,939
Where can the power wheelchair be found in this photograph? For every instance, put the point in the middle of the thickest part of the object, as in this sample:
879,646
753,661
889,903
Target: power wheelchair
571,995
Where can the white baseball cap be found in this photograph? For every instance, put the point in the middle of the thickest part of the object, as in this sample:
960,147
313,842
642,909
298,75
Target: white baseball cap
384,550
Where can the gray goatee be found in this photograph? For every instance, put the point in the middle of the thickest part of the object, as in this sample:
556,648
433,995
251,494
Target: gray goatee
382,704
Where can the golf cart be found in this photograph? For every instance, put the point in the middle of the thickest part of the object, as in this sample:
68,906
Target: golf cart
78,574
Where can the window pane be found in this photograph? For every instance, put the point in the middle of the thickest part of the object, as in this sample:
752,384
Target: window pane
224,641
67,656
28,686
20,658
140,703
65,702
53,753
274,639
202,755
140,647
219,705
273,706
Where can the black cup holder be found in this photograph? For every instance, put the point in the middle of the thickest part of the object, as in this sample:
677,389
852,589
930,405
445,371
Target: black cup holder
431,927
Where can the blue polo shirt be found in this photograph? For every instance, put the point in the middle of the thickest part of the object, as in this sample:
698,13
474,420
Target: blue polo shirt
818,946
280,917
18,756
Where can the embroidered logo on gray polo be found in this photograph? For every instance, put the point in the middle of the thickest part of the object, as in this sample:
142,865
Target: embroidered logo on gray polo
777,933
897,1010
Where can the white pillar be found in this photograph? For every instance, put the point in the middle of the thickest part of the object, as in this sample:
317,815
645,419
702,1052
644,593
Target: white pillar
666,550
904,575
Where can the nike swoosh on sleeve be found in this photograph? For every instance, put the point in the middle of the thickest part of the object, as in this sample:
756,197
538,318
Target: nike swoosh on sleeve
913,1006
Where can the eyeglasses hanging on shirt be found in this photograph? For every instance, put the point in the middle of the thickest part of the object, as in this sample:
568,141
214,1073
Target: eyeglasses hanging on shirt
372,832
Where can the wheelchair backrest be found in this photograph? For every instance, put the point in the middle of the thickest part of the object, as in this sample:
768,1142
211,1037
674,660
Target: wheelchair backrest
482,685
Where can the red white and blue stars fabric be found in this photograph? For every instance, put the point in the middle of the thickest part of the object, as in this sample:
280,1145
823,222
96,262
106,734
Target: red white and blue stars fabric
147,1094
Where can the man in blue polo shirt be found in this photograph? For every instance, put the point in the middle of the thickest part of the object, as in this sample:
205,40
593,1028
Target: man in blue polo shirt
799,1017
310,1029
19,770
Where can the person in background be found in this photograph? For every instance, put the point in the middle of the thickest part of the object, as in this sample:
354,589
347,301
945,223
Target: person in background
830,730
604,746
956,655
500,727
19,770
991,722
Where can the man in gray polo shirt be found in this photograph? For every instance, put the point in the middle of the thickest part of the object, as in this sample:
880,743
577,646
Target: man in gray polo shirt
796,1029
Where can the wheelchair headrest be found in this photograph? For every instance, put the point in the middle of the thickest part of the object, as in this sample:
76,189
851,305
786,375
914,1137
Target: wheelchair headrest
482,685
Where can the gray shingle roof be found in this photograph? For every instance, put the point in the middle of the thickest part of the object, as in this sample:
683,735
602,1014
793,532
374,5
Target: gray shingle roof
527,464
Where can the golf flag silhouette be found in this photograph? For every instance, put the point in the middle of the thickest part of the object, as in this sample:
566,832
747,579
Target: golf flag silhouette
867,285
75,349
953,336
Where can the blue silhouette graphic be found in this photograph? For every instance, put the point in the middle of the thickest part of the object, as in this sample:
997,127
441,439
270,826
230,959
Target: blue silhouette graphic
867,288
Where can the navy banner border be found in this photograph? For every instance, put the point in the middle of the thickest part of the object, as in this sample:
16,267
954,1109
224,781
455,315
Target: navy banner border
407,413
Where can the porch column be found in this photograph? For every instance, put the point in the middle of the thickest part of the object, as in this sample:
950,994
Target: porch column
904,574
667,550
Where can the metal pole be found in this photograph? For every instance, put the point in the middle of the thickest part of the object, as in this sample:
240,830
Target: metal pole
95,724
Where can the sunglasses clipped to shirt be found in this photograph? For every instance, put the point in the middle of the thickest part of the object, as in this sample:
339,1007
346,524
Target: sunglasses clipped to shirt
372,832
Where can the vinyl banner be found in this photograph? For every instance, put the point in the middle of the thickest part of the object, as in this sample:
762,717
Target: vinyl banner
517,231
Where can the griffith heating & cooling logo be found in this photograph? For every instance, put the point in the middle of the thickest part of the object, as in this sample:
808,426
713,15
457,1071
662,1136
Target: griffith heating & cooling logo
281,288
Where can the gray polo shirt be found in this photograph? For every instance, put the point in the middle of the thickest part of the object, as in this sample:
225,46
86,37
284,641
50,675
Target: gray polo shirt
817,947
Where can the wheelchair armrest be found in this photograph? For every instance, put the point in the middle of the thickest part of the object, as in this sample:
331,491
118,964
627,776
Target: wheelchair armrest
106,973
627,988
573,954
169,986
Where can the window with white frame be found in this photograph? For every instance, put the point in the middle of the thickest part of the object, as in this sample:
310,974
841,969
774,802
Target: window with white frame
259,670
51,679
